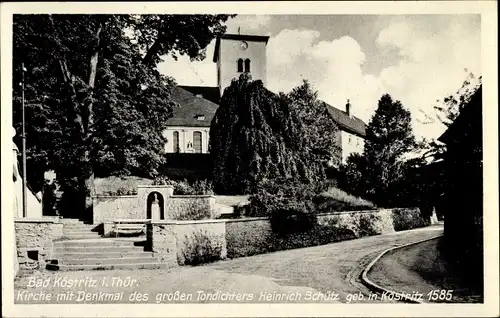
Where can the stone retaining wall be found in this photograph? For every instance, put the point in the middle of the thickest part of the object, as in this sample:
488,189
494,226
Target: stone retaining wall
34,241
249,236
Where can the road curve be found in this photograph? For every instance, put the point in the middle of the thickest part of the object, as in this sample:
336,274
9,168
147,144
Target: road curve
328,268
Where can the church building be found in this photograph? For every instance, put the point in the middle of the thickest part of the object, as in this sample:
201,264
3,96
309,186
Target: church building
188,129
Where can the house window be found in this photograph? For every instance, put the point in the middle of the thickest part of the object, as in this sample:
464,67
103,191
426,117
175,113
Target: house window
240,65
197,141
176,141
247,66
350,140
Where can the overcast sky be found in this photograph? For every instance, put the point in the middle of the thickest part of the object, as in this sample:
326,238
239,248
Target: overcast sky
415,58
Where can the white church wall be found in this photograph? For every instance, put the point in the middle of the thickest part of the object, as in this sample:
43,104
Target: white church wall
186,142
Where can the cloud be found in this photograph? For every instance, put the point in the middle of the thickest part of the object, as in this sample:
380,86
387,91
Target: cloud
333,67
248,24
431,66
434,59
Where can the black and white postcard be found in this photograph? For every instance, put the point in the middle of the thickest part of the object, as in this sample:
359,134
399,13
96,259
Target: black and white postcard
250,159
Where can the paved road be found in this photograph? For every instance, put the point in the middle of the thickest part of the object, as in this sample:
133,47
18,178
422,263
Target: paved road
327,268
327,273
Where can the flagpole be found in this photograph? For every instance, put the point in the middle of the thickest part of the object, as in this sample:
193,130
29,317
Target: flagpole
25,201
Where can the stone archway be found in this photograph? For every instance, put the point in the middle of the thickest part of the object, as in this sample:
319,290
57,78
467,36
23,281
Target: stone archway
152,196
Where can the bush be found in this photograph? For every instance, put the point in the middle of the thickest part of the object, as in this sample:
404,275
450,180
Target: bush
194,211
183,187
201,248
203,187
369,224
292,219
122,191
407,219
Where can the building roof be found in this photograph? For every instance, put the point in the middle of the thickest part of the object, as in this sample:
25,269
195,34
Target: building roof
207,92
199,100
190,109
242,37
347,123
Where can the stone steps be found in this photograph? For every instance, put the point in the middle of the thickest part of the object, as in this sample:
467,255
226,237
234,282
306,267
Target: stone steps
133,266
69,237
99,255
147,258
97,249
83,249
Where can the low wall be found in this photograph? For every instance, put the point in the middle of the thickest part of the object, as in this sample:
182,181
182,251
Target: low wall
34,241
187,242
106,209
109,208
218,239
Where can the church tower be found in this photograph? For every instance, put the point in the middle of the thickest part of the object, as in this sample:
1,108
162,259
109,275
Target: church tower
236,54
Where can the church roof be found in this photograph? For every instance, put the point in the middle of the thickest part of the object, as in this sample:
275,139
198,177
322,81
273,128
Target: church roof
347,123
192,111
242,37
207,92
198,104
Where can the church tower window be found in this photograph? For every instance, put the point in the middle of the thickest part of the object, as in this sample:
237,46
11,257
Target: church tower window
240,65
247,66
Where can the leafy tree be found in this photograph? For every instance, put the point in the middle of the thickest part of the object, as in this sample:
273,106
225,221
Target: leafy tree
318,128
95,102
388,137
449,108
258,136
354,175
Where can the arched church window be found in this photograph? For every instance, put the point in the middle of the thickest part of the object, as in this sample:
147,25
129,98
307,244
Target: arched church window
240,65
247,66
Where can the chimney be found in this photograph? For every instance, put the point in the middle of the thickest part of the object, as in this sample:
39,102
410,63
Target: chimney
348,108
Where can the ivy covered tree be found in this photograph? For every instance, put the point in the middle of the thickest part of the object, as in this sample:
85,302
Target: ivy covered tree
257,136
95,103
389,137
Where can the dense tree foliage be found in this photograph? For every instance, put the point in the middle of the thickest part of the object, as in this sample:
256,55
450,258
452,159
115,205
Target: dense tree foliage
389,137
95,102
258,136
378,173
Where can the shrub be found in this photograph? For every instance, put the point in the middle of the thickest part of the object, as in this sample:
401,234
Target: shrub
183,187
122,191
407,219
194,211
294,219
203,187
201,248
369,224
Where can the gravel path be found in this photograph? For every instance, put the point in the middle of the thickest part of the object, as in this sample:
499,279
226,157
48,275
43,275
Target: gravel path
328,273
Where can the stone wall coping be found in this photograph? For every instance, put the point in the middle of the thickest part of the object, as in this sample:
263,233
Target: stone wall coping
187,222
115,196
194,196
351,212
255,218
28,220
